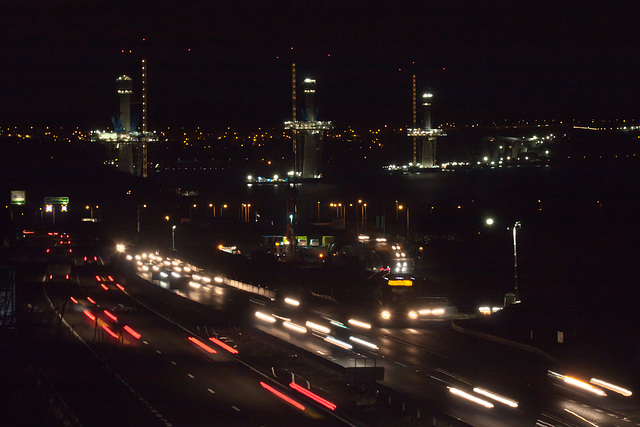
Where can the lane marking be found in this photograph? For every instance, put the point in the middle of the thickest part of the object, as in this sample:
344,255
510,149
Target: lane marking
190,376
401,364
144,342
211,391
173,363
105,364
158,351
236,408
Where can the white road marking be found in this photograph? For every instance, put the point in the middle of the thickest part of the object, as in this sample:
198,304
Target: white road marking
173,363
401,364
158,351
211,391
236,408
190,376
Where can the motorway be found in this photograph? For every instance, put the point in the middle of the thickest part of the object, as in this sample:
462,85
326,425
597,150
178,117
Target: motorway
478,381
172,374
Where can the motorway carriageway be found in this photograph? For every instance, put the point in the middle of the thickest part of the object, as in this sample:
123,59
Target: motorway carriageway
478,381
182,379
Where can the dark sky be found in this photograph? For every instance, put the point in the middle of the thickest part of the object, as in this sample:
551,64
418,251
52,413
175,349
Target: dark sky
216,63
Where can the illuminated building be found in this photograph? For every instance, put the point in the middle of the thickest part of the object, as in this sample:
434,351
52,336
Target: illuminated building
308,134
126,145
425,136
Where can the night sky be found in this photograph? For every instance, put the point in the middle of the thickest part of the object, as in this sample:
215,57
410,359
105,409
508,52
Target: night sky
219,63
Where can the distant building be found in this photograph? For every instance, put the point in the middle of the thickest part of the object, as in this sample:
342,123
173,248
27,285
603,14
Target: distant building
425,137
504,150
126,145
308,135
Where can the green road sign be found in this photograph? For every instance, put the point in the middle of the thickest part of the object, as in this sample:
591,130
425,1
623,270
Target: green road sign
18,197
56,200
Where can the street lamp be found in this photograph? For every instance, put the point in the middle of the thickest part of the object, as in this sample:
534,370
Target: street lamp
516,226
50,208
338,207
245,210
173,238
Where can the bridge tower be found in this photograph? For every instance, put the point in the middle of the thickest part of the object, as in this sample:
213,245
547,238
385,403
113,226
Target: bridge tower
425,136
307,134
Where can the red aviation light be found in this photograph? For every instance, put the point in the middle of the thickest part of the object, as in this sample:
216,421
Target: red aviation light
223,345
202,345
132,332
313,396
283,396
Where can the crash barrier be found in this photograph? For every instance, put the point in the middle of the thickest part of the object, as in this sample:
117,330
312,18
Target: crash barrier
247,287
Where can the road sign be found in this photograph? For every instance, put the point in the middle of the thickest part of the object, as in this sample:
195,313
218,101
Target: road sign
56,200
18,197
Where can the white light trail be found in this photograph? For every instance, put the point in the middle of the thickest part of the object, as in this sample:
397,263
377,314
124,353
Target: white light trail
364,343
496,397
585,386
265,317
317,327
294,327
470,397
339,343
359,324
612,387
292,301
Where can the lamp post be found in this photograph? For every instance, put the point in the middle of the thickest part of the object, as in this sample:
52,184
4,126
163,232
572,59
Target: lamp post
357,219
245,212
173,238
364,216
401,207
318,211
516,226
50,208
